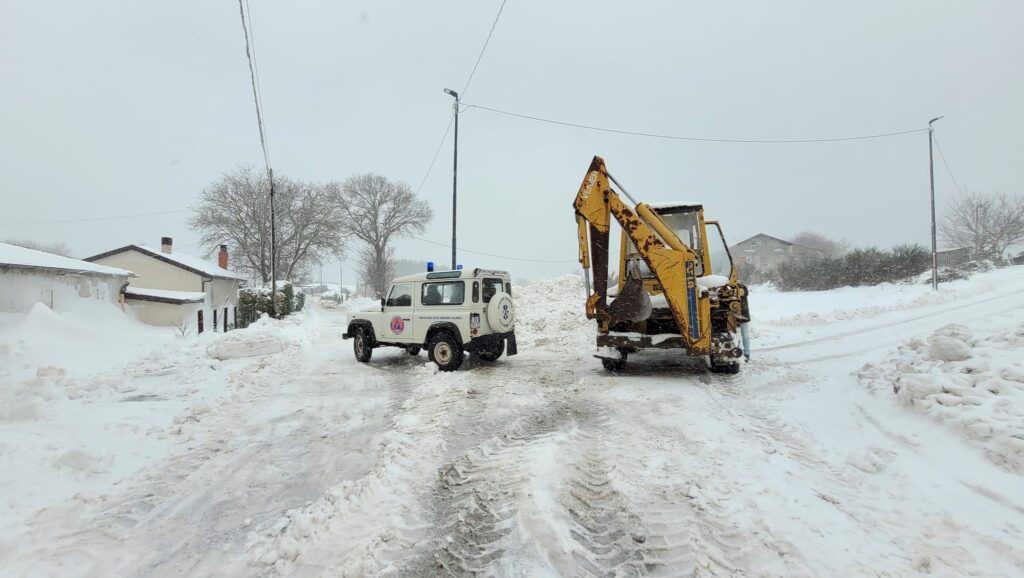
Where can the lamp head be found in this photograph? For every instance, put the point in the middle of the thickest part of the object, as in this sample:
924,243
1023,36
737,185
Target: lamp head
451,92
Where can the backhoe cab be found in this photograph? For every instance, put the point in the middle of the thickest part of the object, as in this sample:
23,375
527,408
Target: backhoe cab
676,285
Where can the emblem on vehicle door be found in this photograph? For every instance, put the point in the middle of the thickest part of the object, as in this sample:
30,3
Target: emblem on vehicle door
397,325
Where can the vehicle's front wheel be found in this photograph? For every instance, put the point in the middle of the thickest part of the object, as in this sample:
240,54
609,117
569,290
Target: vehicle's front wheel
362,345
445,351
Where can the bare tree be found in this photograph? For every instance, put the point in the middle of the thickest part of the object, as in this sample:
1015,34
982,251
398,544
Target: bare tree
378,212
235,210
57,248
818,241
987,223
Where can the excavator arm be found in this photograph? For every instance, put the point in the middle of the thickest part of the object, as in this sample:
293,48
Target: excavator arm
672,262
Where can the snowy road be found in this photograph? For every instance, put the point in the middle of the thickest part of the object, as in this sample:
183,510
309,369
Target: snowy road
543,464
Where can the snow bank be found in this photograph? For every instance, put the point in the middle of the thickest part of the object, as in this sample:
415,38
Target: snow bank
552,315
260,338
973,383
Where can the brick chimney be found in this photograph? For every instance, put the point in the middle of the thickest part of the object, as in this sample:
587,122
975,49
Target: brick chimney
165,244
222,257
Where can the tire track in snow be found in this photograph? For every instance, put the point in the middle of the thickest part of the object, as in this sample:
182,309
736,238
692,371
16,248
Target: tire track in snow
477,494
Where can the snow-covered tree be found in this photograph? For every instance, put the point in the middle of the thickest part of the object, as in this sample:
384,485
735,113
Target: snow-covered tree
310,221
987,223
379,211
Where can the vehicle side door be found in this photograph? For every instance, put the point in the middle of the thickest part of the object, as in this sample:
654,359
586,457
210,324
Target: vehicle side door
396,324
442,301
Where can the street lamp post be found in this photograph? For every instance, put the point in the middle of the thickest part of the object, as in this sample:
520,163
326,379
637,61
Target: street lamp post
455,170
931,175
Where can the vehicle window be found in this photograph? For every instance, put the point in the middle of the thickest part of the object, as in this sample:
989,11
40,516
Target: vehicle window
491,286
401,295
721,260
443,293
476,291
687,228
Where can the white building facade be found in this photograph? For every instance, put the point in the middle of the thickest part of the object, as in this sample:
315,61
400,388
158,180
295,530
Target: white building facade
28,277
178,290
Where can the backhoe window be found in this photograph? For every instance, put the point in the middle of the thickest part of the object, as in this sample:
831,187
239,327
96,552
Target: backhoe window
687,228
721,260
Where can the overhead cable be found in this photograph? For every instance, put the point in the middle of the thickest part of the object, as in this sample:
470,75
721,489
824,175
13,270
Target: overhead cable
695,138
948,170
495,256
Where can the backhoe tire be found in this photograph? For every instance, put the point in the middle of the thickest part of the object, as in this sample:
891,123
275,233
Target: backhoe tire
445,351
729,367
413,350
362,345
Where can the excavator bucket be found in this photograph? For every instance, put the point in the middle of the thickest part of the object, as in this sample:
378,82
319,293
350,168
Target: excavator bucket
632,304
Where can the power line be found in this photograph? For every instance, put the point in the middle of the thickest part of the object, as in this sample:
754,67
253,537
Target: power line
465,87
948,170
256,68
493,255
437,152
484,48
249,55
693,138
89,219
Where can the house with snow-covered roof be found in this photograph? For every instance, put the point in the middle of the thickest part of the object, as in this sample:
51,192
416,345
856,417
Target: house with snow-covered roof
766,252
175,289
28,276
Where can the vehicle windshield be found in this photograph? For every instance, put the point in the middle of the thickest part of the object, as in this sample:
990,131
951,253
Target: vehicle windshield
721,260
687,228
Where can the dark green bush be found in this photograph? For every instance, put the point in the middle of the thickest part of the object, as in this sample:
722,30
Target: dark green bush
867,266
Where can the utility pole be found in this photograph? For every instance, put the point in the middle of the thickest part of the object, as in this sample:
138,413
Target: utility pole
455,171
931,175
273,247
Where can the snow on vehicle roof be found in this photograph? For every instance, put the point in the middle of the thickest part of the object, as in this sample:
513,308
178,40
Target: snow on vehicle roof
164,295
194,264
674,204
442,275
15,256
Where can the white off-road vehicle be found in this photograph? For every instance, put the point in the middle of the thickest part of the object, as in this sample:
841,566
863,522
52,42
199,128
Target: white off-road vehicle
448,313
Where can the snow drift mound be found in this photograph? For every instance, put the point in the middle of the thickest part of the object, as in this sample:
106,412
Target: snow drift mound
264,337
975,384
551,315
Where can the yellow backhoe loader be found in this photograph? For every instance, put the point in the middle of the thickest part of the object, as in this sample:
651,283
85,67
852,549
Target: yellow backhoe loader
676,285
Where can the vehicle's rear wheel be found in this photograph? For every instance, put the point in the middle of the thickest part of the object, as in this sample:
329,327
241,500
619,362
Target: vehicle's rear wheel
491,353
362,345
413,350
445,351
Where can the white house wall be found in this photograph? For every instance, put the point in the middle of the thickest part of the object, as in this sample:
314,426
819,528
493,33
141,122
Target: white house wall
156,274
153,273
20,289
166,314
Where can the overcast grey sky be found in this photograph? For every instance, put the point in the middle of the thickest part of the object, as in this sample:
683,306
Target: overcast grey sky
122,107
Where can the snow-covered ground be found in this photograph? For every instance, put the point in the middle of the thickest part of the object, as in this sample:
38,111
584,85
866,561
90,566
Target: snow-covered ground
877,431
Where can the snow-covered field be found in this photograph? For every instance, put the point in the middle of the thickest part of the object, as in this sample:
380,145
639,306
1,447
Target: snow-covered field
878,431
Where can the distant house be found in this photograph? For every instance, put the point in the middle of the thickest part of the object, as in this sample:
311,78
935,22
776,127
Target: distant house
174,289
28,277
765,252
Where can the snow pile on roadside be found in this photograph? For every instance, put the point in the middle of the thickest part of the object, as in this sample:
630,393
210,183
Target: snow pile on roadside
358,304
973,383
552,315
264,337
